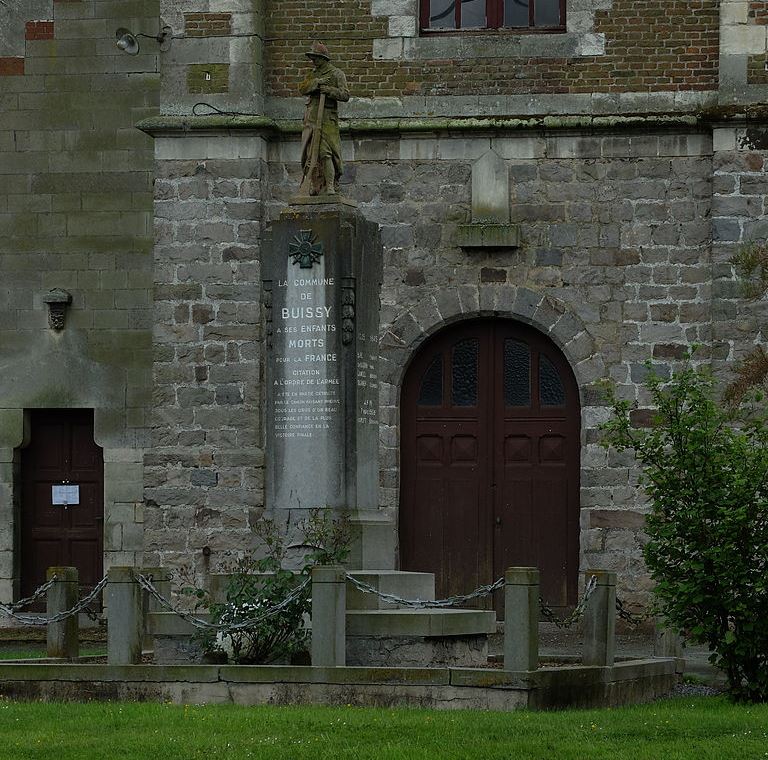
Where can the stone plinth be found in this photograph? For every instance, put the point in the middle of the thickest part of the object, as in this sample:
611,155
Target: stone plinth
321,272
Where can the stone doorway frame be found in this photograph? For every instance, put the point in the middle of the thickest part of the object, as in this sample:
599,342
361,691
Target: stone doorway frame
403,337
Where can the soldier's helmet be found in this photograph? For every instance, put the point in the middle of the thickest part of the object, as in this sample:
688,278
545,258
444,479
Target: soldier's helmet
319,50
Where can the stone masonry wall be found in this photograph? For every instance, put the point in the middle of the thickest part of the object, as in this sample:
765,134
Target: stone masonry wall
75,213
614,265
650,46
740,184
204,478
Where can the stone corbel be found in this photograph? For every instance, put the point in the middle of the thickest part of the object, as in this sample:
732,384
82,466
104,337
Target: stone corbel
57,301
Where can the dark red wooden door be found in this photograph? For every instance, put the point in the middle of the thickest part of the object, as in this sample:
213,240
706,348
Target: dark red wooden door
61,451
490,460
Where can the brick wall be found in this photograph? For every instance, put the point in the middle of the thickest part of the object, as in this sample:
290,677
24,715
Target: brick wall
207,24
757,73
758,12
651,46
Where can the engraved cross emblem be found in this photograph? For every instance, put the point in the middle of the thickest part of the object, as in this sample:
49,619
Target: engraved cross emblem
305,250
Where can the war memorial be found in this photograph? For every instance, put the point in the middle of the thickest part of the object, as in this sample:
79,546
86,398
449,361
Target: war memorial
384,275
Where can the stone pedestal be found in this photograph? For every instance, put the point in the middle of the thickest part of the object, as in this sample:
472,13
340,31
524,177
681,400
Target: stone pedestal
321,271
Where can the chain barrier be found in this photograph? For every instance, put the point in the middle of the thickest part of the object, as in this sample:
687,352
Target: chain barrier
40,591
426,603
146,584
59,616
630,617
578,610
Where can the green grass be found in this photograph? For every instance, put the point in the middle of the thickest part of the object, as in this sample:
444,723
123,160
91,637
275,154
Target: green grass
35,651
700,728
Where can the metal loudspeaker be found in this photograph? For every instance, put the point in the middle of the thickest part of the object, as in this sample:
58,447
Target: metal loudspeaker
128,42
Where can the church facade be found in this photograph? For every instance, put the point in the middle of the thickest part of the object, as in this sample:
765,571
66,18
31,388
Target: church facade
559,188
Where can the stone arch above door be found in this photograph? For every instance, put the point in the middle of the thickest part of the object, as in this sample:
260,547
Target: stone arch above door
402,337
549,315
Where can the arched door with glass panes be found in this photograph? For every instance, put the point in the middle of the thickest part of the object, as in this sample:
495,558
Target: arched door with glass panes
490,459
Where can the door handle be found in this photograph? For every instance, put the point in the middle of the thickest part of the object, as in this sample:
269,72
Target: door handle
498,521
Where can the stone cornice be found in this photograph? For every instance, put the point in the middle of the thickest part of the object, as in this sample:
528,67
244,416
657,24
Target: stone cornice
172,125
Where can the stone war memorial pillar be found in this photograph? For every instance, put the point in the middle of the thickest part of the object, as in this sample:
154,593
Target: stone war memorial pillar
322,271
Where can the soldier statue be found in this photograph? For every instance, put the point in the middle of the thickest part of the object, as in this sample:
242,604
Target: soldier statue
321,161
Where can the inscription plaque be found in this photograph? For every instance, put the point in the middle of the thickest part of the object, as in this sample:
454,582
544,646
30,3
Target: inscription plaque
322,275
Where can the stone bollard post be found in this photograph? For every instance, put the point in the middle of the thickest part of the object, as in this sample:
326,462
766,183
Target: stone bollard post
124,617
63,639
161,580
521,618
600,620
329,615
666,642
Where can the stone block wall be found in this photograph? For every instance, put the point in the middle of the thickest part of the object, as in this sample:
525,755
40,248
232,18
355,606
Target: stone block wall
75,213
740,184
215,57
204,476
614,265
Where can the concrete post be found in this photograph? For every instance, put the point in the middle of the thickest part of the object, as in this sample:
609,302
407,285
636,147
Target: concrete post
521,618
161,580
600,620
666,642
63,639
329,615
125,619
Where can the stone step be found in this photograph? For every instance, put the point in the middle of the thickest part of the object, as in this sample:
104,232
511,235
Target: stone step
405,584
424,622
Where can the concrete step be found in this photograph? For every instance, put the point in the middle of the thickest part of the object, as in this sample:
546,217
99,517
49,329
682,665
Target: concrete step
407,585
428,622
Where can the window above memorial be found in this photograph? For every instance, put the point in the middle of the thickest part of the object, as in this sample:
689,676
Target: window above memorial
441,16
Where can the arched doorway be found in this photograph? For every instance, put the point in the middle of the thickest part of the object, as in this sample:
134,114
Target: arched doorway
490,448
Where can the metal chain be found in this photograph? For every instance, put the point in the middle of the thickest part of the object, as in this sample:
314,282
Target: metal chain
59,616
40,591
197,622
578,610
426,603
629,617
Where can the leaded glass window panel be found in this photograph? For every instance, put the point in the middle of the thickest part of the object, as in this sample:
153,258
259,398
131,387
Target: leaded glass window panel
517,373
464,373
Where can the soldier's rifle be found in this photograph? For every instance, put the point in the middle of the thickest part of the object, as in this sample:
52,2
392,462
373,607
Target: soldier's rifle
317,134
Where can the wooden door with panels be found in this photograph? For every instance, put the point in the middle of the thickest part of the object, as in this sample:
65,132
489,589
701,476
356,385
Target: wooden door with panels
490,460
62,498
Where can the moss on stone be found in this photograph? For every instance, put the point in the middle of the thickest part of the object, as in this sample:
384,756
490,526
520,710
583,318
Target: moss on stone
163,125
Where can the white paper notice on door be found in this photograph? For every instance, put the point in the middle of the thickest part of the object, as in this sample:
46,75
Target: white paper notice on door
65,495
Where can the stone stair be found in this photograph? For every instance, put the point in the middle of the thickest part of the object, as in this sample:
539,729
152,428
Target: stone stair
382,633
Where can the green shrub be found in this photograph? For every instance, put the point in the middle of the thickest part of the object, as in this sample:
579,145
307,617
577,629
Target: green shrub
704,469
257,584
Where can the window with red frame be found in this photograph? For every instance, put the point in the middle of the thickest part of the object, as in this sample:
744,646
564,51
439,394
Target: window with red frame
454,15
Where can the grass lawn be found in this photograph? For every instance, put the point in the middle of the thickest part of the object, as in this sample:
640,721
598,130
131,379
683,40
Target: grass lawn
700,728
33,650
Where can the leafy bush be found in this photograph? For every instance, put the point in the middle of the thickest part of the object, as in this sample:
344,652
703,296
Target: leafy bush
704,469
257,584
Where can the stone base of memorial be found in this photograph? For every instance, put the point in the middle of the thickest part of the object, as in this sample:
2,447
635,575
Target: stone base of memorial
321,273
